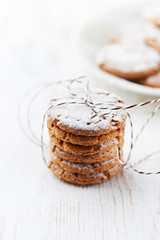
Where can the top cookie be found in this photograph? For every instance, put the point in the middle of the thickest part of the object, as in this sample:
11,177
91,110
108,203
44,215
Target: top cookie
128,61
87,114
152,13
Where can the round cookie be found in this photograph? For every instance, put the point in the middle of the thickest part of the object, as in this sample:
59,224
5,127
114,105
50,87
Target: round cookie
90,116
83,168
152,13
94,158
81,139
129,62
85,179
153,81
84,150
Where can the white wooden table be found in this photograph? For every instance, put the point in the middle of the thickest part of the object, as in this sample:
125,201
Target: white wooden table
35,205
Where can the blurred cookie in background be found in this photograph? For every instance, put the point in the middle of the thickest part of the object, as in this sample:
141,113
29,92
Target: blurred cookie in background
130,34
129,62
152,13
152,37
152,81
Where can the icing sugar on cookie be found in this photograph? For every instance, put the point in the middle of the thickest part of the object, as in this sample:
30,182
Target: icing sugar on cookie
130,34
88,120
129,62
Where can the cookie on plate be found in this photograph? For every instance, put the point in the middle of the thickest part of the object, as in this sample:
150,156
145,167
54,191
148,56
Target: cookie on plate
130,34
152,37
153,81
129,62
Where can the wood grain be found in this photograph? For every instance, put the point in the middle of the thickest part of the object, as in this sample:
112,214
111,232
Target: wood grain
36,205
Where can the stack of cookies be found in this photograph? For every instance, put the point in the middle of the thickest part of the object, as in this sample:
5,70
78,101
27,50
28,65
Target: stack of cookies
133,50
86,136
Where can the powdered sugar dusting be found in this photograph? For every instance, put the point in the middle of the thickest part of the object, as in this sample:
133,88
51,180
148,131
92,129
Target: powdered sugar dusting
128,59
130,34
85,166
80,116
152,12
105,144
93,175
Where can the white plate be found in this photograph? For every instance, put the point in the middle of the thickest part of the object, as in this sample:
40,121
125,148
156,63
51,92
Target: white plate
96,34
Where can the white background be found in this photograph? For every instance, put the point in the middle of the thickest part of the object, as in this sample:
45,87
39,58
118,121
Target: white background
36,45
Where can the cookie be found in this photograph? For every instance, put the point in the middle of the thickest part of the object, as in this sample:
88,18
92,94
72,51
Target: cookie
83,150
81,139
80,179
92,117
94,158
154,43
152,37
129,62
153,81
152,13
86,131
83,168
120,139
131,34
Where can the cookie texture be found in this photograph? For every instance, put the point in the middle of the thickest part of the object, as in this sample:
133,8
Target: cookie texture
129,62
94,158
152,13
84,150
131,33
152,37
83,168
80,179
92,118
86,135
81,139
